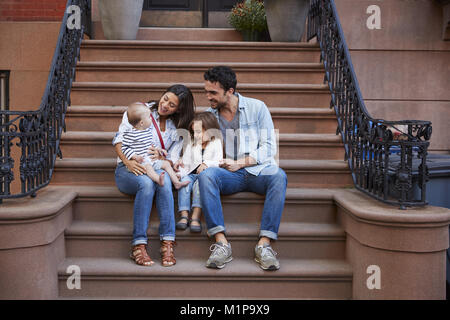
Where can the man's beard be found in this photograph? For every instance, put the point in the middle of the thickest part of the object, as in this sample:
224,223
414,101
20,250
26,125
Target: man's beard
220,105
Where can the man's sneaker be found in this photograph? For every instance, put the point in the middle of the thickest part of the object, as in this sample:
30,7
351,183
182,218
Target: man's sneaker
221,254
266,257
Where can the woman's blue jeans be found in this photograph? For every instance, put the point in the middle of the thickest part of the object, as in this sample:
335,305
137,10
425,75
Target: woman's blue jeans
184,194
216,181
145,189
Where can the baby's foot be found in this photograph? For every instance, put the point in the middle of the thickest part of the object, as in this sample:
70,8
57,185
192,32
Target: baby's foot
180,184
161,179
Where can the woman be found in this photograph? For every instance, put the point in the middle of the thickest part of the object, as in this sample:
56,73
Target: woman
175,110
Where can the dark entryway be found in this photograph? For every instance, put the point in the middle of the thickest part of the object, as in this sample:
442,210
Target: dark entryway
187,13
172,4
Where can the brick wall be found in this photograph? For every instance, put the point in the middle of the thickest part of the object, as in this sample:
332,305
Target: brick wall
32,10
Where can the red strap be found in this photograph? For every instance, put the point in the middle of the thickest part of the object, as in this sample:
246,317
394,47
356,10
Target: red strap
158,132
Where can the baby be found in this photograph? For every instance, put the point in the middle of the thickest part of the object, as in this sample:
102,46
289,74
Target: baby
136,143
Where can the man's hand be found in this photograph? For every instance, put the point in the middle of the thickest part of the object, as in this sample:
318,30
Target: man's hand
201,168
231,165
135,167
235,165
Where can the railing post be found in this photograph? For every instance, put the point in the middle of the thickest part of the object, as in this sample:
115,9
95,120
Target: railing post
39,132
368,142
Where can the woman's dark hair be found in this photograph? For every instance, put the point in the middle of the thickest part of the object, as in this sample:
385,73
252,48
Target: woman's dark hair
224,75
186,106
209,122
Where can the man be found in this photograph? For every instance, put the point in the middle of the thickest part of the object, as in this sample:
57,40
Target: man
250,149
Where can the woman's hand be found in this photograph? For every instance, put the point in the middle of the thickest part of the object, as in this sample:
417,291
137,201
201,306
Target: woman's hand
157,153
135,167
201,168
177,165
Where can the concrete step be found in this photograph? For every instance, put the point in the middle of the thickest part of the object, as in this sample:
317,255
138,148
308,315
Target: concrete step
176,33
123,93
108,204
287,120
301,173
296,240
97,144
198,51
248,72
241,278
188,34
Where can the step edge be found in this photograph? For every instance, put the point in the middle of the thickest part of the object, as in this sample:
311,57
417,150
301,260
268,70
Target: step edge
227,44
277,111
288,230
330,269
289,164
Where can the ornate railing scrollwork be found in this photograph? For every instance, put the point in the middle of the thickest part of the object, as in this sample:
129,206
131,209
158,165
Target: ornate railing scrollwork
33,136
387,159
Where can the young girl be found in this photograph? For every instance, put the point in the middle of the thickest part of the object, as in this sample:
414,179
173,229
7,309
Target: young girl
203,151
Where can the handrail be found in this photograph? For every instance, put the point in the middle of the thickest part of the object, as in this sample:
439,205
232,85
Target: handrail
38,133
380,153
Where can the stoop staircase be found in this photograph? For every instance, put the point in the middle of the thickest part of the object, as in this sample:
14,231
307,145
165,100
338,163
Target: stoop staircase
288,77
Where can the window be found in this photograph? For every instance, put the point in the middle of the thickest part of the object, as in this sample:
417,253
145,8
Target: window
4,90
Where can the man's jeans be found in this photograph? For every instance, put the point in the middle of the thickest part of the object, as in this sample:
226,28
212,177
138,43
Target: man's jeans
184,194
216,181
144,189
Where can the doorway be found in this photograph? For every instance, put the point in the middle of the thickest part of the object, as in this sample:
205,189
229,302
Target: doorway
187,13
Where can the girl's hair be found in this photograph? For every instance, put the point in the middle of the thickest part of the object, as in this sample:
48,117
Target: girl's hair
209,122
186,106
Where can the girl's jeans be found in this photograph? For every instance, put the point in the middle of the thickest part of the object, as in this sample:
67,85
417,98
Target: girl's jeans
184,194
216,181
145,189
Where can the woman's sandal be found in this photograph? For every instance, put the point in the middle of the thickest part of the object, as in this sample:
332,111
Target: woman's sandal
167,257
195,228
140,256
182,225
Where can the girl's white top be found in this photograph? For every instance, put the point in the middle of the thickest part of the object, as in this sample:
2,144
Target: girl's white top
192,156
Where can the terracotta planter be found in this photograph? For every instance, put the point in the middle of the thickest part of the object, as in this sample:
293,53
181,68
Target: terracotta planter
286,19
120,18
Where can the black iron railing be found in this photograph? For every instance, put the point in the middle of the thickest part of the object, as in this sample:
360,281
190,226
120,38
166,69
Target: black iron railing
387,159
33,136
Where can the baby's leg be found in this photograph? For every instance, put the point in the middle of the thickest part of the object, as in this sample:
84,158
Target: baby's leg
158,178
173,175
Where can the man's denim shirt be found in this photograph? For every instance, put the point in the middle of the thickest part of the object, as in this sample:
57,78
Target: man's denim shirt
257,137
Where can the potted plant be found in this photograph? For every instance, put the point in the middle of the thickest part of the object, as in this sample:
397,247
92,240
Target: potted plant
286,19
120,18
249,18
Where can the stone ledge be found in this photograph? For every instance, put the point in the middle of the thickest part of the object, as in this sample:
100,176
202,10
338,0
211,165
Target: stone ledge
365,208
385,227
30,222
